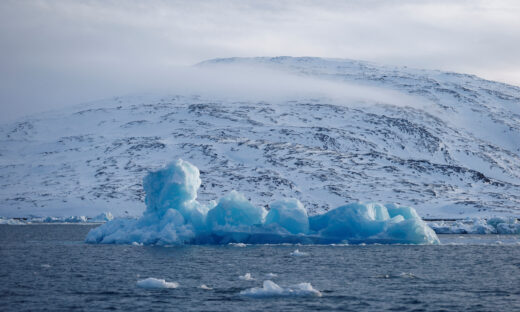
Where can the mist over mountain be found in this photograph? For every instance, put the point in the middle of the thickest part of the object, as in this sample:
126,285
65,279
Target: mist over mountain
324,131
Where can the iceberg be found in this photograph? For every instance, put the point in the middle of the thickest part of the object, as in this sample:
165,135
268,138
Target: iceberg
271,289
174,216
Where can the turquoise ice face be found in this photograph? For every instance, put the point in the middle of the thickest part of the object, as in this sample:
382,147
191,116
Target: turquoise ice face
174,216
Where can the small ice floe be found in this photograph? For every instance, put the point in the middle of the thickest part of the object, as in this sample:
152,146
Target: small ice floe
298,253
45,265
155,283
271,289
237,244
246,277
137,244
271,275
407,275
205,287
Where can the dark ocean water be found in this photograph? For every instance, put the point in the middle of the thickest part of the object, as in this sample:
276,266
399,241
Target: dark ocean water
49,268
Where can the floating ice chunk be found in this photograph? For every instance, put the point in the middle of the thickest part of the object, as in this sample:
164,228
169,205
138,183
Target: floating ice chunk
10,221
205,287
72,219
106,216
246,277
496,225
234,212
102,217
271,289
298,253
271,275
407,275
154,283
290,215
237,244
400,275
137,244
45,265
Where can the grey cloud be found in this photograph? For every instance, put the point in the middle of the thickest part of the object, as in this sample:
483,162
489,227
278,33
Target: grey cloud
58,52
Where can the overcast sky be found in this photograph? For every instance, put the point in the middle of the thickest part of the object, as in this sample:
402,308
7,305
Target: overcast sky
61,52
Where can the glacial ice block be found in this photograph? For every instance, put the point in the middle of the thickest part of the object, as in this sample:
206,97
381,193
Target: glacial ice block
174,216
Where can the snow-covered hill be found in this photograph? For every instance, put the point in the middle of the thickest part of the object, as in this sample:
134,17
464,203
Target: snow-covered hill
447,144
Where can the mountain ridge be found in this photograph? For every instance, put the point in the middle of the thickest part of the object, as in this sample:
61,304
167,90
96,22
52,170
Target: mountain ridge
456,154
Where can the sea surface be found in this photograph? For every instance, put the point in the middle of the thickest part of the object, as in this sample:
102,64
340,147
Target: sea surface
50,268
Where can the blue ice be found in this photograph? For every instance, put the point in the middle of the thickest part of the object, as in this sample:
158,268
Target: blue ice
174,216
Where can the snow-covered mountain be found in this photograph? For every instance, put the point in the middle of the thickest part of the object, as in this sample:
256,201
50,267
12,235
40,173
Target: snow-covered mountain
450,148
